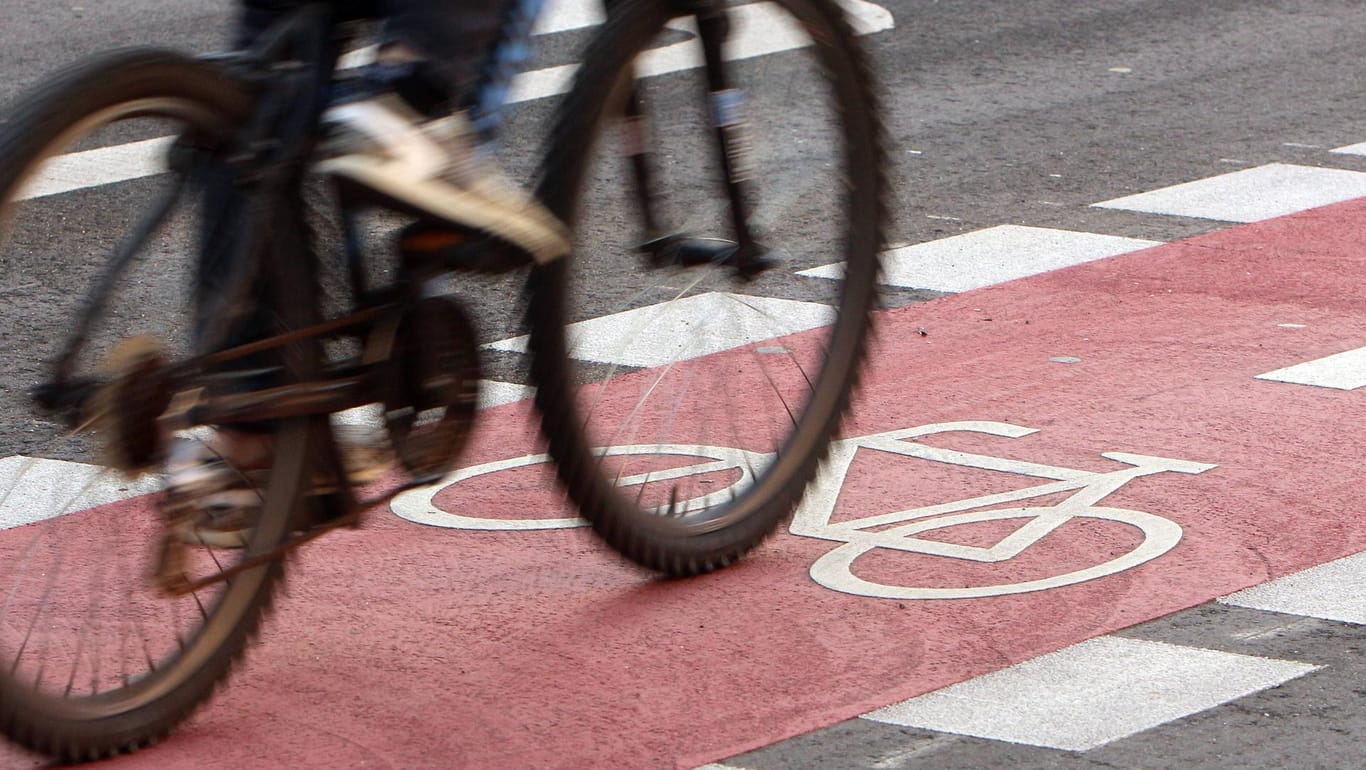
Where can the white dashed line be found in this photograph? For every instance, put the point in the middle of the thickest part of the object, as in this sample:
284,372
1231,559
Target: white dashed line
1341,371
33,489
91,168
660,334
1332,591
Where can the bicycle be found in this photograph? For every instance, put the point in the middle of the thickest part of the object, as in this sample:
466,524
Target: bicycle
101,658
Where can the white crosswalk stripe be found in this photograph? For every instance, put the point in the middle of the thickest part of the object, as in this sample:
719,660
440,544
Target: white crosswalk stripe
1081,697
1332,591
1250,195
659,334
1341,371
991,256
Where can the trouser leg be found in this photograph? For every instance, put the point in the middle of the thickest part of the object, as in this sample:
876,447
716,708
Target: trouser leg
452,38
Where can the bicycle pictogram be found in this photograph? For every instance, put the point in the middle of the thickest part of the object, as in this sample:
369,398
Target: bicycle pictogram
904,530
835,569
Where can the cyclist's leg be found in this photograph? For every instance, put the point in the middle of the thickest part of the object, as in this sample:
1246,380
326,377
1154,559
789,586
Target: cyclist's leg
449,42
421,145
433,55
212,476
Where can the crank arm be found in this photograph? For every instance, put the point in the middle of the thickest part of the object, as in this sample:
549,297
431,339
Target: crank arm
170,574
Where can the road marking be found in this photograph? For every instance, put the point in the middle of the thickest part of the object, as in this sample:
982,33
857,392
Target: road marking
760,29
661,334
494,393
1341,371
862,536
33,489
991,256
1083,696
1250,195
91,168
1352,149
1332,591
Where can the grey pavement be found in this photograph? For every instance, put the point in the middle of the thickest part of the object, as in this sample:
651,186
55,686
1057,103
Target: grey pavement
1027,113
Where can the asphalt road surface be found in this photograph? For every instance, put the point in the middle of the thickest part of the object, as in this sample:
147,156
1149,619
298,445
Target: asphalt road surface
1028,115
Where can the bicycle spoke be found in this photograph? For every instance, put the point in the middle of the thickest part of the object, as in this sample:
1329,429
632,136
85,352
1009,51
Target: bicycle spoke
803,172
42,602
97,298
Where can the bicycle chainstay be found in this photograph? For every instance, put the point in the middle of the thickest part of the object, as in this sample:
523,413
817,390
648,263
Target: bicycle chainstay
170,575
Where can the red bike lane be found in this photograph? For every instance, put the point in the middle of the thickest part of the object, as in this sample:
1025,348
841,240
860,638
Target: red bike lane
407,645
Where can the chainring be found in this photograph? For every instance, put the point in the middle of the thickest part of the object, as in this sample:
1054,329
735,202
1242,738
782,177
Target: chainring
430,404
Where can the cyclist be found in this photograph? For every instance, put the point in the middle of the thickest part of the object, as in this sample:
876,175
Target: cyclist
415,135
439,81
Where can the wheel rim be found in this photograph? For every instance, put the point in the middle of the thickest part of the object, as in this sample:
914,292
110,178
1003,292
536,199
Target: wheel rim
699,355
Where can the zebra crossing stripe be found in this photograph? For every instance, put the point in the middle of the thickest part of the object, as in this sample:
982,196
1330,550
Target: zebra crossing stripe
1341,371
990,256
660,334
1331,591
34,489
1082,696
1250,195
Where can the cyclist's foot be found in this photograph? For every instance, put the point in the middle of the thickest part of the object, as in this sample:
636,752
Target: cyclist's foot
432,168
214,487
365,452
213,500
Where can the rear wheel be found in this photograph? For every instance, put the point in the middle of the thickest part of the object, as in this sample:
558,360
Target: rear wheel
688,405
95,657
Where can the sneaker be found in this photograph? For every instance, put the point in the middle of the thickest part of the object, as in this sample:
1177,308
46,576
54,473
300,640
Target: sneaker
431,167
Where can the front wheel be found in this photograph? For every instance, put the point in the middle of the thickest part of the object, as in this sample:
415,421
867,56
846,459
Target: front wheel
636,346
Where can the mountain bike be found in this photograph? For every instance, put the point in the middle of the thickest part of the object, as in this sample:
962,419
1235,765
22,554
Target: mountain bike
677,319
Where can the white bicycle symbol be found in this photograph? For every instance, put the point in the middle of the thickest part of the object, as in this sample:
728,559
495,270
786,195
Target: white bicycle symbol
900,530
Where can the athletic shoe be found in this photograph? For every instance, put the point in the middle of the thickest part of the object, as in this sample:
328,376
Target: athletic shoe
432,168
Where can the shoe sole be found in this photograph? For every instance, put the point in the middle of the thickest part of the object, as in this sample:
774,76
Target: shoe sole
531,227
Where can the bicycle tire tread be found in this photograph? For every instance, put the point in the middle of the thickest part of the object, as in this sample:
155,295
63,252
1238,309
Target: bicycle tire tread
49,110
575,129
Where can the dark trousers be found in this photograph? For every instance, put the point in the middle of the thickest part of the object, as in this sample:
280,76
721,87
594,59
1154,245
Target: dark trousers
455,36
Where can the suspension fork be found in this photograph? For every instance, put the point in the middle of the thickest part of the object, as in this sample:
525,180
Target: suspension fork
638,153
726,108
